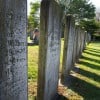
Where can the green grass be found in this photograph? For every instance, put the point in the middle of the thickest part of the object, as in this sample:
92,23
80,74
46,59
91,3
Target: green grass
90,71
85,78
32,62
33,67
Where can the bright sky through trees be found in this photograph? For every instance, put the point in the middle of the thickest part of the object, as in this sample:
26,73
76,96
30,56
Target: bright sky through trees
96,3
28,5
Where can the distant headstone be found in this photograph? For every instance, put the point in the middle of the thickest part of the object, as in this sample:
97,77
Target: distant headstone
69,35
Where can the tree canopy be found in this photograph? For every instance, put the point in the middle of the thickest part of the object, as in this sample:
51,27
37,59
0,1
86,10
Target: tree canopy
34,18
83,11
79,8
90,25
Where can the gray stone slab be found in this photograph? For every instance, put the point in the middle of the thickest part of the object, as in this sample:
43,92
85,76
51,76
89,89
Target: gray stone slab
13,59
49,52
75,45
67,63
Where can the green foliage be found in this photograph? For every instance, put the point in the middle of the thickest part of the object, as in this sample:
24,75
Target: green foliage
33,18
82,9
78,8
90,25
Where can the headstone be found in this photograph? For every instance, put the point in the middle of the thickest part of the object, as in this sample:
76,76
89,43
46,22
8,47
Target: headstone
80,41
13,59
49,51
67,63
85,39
75,45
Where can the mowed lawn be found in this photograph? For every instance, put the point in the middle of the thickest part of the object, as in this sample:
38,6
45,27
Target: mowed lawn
85,76
33,52
84,82
89,72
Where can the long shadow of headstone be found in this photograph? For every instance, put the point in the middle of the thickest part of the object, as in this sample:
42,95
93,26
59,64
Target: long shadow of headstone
86,90
88,74
60,97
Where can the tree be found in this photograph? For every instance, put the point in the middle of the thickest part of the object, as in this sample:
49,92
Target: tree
83,11
34,18
80,9
90,25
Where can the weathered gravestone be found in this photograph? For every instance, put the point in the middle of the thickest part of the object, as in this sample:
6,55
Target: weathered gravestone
78,52
85,39
82,36
88,37
75,45
68,47
81,42
49,52
13,59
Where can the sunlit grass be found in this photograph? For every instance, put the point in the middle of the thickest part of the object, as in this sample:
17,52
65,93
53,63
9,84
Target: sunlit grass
33,67
86,85
33,60
32,63
61,54
90,60
83,83
89,72
87,79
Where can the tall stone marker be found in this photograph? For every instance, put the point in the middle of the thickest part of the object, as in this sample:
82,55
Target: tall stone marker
78,44
75,45
49,52
68,47
13,60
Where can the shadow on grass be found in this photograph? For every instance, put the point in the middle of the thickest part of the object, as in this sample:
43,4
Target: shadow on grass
88,74
60,97
81,86
87,90
93,50
31,44
93,66
57,97
90,53
91,59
